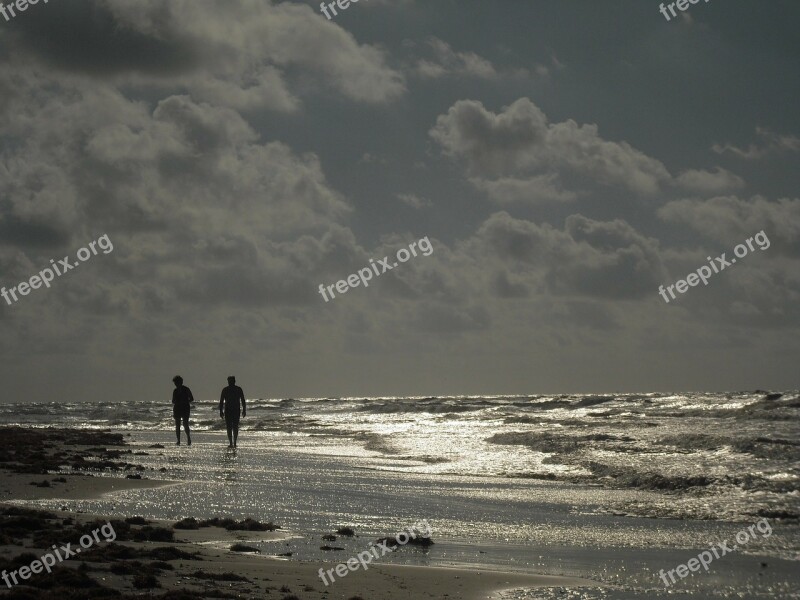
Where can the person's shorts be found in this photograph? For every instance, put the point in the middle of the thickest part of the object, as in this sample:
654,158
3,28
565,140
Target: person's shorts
232,419
180,415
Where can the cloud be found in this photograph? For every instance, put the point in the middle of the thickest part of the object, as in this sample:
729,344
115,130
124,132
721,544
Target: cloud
238,56
447,62
771,143
729,219
517,155
520,141
588,258
195,202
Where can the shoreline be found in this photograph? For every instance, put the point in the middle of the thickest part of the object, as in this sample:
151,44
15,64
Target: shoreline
196,561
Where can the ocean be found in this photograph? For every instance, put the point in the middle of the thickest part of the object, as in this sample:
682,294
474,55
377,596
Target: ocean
612,487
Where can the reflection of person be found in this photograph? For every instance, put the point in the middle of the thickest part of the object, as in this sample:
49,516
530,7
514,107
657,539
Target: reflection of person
229,407
181,405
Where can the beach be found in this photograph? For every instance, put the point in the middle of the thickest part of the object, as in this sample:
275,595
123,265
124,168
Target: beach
503,520
223,573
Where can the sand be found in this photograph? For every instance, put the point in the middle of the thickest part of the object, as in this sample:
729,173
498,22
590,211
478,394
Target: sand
16,486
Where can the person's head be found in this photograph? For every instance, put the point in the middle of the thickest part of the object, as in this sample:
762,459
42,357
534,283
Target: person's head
177,380
231,380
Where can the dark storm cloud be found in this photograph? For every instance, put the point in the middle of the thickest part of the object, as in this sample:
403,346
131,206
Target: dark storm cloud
86,36
236,54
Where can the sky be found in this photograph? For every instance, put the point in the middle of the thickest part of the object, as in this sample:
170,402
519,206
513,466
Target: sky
563,159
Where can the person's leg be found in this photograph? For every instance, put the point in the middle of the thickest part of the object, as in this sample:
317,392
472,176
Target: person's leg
186,427
178,429
235,433
230,433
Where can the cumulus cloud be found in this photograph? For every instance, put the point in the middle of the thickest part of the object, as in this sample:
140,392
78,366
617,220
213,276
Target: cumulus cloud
520,140
517,155
188,188
588,258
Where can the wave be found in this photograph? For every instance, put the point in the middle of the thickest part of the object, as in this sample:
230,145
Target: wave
555,442
761,447
433,406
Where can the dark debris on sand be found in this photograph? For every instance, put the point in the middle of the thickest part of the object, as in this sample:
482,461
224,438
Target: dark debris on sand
243,548
115,552
24,527
392,542
17,525
68,583
125,533
230,524
219,576
41,451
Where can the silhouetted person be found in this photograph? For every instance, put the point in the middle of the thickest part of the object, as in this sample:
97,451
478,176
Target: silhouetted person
229,407
181,404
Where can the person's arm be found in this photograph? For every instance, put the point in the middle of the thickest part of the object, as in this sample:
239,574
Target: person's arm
244,404
191,398
174,392
221,401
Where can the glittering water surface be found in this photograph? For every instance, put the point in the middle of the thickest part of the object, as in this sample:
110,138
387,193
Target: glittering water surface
635,483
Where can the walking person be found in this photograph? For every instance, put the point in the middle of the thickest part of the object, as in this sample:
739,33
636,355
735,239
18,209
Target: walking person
231,403
181,405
